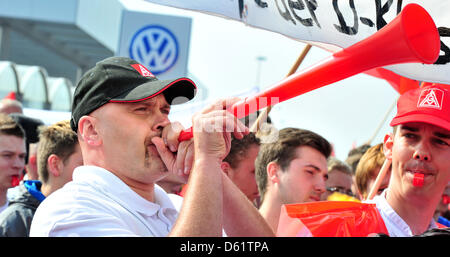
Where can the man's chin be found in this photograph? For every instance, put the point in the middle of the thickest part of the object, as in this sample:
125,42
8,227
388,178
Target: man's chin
152,151
156,165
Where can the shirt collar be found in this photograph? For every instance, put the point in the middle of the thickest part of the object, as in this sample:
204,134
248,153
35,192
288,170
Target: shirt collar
394,223
114,187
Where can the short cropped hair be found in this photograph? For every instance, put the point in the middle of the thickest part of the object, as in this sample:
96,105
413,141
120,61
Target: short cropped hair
336,164
239,148
8,126
372,160
283,152
354,156
58,139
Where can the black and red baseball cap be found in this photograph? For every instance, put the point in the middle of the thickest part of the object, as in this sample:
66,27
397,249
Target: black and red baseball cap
123,80
429,104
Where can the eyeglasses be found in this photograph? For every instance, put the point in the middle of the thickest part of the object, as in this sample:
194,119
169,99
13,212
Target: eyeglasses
340,190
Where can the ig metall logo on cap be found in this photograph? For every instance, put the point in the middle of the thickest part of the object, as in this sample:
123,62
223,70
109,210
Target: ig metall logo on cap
155,47
431,98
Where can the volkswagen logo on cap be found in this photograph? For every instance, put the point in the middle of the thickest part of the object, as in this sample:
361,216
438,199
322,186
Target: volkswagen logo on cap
155,47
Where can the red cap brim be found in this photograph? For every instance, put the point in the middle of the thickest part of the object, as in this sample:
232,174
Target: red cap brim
421,118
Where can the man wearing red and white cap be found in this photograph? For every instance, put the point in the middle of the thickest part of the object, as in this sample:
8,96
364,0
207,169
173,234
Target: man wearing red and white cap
419,149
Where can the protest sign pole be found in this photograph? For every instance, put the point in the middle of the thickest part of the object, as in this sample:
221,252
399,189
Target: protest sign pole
382,122
379,179
263,115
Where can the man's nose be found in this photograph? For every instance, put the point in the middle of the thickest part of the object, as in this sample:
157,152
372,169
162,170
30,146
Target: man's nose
320,186
422,152
18,162
161,123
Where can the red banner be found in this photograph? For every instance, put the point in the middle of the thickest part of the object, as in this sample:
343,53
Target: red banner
330,219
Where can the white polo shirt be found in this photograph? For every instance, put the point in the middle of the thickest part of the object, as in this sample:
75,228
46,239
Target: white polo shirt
395,225
2,208
97,203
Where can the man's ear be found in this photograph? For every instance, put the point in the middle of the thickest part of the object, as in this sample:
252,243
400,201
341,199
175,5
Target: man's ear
272,172
388,144
87,131
225,166
54,165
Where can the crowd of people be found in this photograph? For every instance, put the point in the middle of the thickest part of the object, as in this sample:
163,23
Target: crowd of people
117,167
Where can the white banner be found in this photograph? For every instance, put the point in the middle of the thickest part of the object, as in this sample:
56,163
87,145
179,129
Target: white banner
331,23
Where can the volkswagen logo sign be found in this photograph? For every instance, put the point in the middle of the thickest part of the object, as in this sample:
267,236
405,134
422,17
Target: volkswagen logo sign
155,47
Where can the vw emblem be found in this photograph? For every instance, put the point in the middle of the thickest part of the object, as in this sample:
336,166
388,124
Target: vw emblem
155,47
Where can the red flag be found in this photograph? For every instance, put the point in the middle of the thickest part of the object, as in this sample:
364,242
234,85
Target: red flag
399,83
183,190
424,84
331,219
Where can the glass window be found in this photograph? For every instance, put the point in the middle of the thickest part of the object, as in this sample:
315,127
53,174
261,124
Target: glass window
59,94
33,86
8,79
